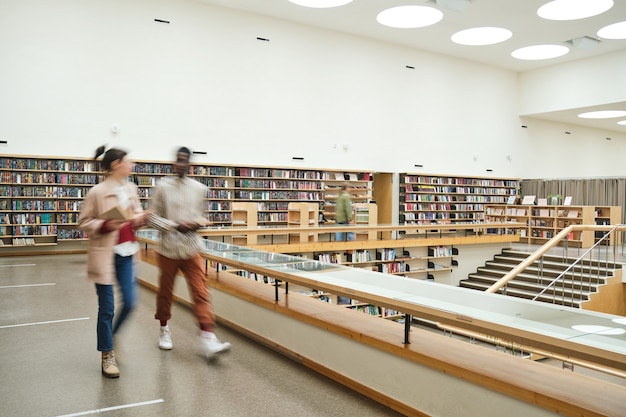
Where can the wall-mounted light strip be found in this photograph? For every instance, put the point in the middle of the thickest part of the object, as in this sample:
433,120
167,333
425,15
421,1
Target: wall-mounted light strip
297,158
262,39
162,21
418,165
489,170
409,67
4,142
199,152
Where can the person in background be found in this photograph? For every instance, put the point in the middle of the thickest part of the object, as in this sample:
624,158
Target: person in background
177,211
112,245
343,216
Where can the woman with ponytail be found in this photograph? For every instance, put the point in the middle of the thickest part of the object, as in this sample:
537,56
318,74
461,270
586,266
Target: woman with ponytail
112,246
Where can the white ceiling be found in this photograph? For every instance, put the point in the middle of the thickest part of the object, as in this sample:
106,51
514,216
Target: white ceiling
519,16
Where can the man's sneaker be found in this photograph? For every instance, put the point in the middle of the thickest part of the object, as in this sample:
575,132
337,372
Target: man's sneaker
109,366
165,339
212,346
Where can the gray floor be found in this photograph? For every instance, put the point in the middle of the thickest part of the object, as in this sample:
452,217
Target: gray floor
50,367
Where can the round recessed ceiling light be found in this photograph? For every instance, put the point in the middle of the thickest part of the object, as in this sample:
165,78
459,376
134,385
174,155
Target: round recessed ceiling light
602,114
320,4
603,330
573,9
538,52
481,36
408,17
614,31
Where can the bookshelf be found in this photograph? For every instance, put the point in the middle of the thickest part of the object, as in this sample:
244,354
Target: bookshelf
244,215
432,199
420,265
41,199
544,222
354,305
360,182
41,196
608,215
302,215
365,214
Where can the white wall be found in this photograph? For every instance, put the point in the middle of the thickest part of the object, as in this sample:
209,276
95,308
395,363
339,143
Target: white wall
586,82
72,68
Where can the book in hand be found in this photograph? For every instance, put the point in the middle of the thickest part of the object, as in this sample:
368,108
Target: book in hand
117,213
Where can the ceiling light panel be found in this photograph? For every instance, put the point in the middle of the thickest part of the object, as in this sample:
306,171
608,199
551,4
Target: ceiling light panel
573,9
320,4
603,114
481,36
539,52
409,17
614,31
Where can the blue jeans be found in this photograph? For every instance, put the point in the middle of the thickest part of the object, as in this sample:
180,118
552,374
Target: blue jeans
106,302
339,236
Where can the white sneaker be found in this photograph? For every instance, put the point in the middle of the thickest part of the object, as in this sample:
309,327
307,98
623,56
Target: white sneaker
212,346
165,339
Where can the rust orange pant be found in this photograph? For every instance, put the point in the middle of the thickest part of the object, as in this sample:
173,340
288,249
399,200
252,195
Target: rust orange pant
193,271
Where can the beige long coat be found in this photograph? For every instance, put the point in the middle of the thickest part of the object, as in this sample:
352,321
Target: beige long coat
100,259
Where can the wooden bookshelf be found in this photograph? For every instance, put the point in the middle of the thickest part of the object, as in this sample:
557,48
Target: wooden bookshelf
432,199
41,199
544,222
302,215
244,215
608,215
41,196
365,214
360,182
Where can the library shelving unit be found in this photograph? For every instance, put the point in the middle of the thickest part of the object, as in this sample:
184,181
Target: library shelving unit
608,215
244,215
437,259
360,182
544,222
274,188
41,199
431,199
302,215
42,195
365,214
353,304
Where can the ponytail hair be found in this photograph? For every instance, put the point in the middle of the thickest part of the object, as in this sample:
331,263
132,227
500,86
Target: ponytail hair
110,156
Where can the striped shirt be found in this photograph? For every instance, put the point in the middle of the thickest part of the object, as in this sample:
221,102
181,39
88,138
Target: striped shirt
178,200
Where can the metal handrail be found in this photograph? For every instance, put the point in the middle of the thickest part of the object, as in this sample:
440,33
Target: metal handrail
502,282
576,262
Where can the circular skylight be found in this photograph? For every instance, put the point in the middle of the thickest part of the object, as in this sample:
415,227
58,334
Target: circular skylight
407,17
573,9
481,36
604,330
320,4
603,114
538,52
614,31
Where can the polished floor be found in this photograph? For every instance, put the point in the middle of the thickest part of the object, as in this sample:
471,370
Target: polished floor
50,367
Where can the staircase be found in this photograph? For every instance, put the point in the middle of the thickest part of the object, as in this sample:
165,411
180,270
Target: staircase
575,288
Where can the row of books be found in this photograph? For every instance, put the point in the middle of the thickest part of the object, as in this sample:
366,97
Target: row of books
419,179
41,191
275,195
46,164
